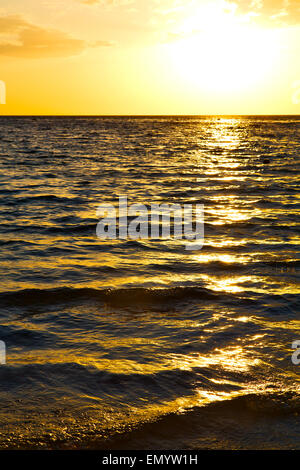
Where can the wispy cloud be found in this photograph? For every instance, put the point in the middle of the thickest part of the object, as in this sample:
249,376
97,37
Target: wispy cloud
19,38
282,11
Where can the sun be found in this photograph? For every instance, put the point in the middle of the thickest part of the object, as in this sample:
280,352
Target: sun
225,55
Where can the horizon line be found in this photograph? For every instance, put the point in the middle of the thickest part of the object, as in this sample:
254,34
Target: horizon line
148,115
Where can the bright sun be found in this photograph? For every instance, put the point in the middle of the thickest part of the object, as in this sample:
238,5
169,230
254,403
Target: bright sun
224,55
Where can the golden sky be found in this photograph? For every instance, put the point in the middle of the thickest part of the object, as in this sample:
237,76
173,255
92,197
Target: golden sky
150,56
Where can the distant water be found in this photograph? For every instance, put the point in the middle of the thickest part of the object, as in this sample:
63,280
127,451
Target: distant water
142,344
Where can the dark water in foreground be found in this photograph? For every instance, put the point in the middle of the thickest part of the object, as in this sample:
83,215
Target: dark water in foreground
143,344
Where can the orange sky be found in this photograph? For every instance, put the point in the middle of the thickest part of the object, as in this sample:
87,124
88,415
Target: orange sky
150,56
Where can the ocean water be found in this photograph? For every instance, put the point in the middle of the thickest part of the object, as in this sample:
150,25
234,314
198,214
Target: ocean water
142,344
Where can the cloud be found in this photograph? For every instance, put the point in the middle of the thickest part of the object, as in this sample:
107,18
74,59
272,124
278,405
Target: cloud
283,11
280,11
19,38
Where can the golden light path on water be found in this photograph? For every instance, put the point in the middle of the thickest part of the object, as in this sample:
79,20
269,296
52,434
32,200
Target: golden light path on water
109,334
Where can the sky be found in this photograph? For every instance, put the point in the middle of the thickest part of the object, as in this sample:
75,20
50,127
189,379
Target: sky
145,57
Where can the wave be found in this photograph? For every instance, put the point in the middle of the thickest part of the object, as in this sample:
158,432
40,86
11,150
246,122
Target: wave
216,267
48,198
80,229
137,296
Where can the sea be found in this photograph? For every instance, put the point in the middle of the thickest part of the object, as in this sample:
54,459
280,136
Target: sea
142,343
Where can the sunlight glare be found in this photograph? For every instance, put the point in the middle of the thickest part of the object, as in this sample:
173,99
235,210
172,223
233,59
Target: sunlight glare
225,55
